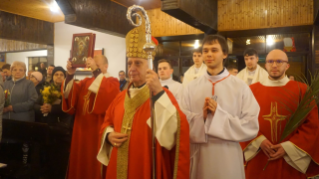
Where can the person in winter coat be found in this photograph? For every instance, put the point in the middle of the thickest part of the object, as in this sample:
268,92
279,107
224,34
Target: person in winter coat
22,95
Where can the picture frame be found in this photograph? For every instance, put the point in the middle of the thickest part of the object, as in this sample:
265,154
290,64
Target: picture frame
82,48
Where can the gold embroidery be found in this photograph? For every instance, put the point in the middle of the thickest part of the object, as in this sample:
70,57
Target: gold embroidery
177,144
130,105
274,118
86,99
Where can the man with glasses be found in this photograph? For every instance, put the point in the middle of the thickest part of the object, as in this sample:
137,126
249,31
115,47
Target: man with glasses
297,155
253,72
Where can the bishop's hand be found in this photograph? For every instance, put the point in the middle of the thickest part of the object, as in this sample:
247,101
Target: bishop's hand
153,82
266,147
117,139
70,69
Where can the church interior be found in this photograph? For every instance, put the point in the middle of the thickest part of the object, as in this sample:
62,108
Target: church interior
39,34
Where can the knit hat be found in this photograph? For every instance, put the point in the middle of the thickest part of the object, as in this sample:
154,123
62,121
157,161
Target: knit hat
37,75
58,68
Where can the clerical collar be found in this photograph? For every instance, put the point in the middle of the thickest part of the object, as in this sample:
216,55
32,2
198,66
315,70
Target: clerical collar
168,80
223,74
273,83
218,73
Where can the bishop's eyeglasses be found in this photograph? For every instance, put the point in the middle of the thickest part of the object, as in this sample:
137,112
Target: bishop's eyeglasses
278,62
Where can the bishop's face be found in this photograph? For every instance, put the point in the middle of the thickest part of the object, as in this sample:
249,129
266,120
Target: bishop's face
213,54
137,68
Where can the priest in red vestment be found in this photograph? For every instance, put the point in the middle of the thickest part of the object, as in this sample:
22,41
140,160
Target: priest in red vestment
126,143
88,100
297,156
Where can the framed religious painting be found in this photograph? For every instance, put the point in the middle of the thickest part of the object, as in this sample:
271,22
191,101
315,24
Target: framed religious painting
82,48
87,71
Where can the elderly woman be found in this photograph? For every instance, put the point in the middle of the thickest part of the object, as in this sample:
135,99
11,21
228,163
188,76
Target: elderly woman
60,125
22,94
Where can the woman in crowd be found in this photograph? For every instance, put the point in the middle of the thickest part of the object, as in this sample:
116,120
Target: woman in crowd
22,94
60,125
36,77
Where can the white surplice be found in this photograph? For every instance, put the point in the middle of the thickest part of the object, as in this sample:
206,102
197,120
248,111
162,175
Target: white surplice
215,149
249,78
175,87
193,73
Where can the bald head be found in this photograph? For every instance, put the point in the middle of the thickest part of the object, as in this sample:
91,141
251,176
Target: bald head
277,64
101,62
277,54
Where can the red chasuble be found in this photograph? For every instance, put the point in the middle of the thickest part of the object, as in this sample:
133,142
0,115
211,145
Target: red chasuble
170,164
89,109
273,102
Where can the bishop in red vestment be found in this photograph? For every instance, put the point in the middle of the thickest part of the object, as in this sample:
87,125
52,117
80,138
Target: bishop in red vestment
88,100
297,156
126,144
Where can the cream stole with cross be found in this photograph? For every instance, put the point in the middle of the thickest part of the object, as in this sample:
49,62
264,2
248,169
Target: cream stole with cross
130,105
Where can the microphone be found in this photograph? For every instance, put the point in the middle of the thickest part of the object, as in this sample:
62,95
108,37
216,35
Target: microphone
166,87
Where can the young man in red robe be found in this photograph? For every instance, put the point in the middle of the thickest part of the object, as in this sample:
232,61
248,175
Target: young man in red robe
126,143
88,100
297,155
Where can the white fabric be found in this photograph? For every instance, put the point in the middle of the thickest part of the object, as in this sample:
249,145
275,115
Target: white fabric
215,143
175,87
166,125
68,88
253,148
191,73
94,87
259,75
272,83
295,157
105,151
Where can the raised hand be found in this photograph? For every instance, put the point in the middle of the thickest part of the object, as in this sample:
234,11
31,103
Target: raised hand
70,69
153,82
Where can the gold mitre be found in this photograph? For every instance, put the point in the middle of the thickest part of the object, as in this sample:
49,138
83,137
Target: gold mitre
135,40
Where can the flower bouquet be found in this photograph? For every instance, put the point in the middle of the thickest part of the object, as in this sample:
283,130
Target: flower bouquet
50,95
7,98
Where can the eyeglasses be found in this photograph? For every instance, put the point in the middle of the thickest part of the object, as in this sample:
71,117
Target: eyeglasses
278,62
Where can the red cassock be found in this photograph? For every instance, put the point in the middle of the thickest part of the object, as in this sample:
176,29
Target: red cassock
89,109
273,102
170,164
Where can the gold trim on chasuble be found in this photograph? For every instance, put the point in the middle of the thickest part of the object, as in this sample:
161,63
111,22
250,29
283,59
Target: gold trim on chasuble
274,118
130,105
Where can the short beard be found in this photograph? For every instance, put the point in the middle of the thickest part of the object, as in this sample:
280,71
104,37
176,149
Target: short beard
276,77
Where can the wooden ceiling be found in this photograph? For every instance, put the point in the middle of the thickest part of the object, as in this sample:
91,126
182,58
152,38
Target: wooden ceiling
147,4
37,9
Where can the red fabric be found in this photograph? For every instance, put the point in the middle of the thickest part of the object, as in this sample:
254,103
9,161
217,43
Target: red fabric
139,162
306,137
85,138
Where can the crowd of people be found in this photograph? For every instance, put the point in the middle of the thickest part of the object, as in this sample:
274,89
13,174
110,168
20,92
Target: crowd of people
215,124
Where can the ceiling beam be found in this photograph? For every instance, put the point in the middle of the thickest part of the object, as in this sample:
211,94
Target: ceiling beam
201,14
99,15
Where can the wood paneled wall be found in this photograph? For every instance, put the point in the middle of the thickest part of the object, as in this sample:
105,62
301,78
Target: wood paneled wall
257,14
163,24
20,28
13,46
